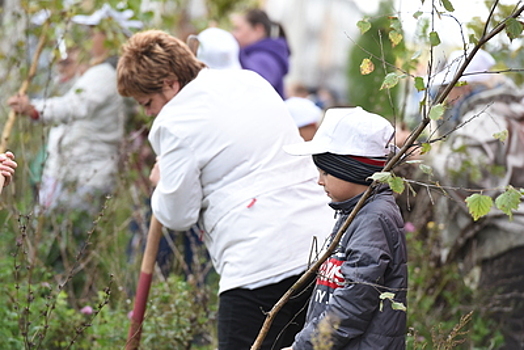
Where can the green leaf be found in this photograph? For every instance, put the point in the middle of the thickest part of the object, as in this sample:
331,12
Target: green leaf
381,177
419,84
473,39
396,183
426,169
363,25
508,201
447,5
394,23
513,28
478,205
434,39
389,81
395,305
426,147
501,136
367,66
417,14
395,37
437,111
386,295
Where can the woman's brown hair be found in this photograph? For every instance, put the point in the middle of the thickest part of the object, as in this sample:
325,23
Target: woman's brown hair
150,58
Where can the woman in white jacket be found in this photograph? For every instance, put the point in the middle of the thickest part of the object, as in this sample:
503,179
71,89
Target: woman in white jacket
218,135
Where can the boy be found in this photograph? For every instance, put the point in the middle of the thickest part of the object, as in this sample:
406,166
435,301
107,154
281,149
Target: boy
349,146
218,135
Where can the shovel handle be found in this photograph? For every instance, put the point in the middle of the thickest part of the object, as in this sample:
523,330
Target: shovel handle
144,284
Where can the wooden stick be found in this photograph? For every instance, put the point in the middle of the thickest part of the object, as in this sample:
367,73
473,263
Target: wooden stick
23,89
144,283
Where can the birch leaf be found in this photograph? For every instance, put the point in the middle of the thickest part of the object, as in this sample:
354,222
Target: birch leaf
389,81
367,66
479,205
363,25
508,200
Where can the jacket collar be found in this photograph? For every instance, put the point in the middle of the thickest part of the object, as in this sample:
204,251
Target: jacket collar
347,206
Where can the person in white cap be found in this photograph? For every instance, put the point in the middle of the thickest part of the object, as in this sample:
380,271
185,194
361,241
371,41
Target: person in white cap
306,114
218,135
218,49
489,250
350,145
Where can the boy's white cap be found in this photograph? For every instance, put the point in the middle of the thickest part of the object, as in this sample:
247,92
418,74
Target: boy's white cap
303,111
218,49
481,62
348,131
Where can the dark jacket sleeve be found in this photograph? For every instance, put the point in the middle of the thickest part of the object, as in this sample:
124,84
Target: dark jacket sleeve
351,308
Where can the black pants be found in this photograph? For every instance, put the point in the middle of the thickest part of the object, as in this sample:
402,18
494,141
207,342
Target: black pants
241,314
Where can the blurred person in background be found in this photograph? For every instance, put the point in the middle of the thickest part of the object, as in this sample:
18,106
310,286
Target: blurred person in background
87,125
218,49
488,250
263,46
306,114
83,147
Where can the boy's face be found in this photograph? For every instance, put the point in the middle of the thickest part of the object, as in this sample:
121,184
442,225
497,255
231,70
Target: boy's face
337,189
153,103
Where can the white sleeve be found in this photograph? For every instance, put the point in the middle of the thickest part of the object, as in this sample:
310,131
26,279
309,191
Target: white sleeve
177,199
90,91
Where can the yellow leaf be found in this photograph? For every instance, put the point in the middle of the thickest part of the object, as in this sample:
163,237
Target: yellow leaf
366,66
395,37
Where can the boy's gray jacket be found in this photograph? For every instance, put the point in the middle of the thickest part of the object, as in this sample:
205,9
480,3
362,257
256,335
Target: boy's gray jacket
344,312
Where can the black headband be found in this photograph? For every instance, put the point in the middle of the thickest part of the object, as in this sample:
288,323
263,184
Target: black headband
349,168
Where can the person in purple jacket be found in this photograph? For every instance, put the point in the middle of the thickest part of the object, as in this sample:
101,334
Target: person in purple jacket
263,47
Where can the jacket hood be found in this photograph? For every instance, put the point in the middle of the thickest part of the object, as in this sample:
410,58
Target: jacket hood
278,48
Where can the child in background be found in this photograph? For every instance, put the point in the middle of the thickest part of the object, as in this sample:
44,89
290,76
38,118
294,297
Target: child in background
349,146
306,115
218,49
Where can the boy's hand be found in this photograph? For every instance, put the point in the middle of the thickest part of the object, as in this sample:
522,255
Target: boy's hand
7,166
